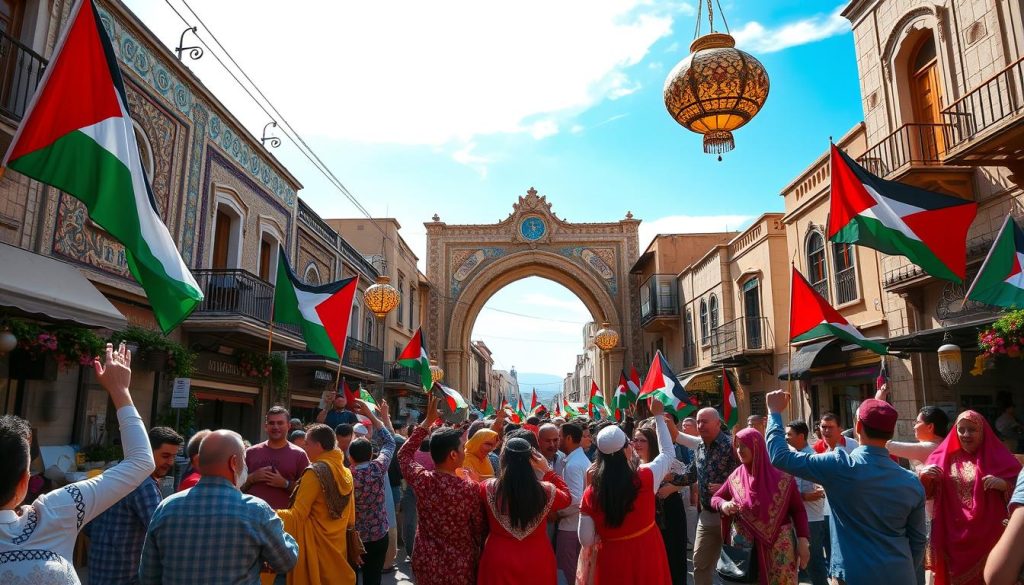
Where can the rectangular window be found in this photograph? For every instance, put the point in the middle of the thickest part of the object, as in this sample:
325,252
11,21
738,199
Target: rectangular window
221,239
401,295
265,253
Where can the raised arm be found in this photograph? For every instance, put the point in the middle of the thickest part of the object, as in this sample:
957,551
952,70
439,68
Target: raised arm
92,497
387,447
305,494
663,462
817,468
563,498
1006,561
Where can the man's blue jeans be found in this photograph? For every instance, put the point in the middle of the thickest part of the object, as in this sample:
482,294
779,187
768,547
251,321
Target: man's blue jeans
821,551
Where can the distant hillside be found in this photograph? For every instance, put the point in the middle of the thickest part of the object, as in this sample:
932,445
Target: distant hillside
547,385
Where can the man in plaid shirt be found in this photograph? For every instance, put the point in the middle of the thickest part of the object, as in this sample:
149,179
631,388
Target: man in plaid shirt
369,477
213,533
116,536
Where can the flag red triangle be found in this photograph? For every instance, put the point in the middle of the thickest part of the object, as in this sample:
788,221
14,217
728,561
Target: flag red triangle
848,197
335,313
808,308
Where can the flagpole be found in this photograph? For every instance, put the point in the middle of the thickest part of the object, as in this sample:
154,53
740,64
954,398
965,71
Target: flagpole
789,337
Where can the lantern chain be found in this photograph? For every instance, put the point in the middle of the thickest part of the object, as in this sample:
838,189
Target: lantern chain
722,14
711,18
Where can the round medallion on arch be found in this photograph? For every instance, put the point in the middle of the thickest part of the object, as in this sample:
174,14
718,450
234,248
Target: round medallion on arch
533,228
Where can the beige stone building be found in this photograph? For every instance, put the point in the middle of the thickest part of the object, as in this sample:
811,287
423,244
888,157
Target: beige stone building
941,86
480,374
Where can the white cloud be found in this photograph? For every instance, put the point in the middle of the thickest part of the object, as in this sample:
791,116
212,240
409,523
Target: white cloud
543,129
576,309
577,128
755,37
429,73
478,163
688,224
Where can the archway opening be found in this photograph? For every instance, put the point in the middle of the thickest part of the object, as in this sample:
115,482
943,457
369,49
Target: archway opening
538,329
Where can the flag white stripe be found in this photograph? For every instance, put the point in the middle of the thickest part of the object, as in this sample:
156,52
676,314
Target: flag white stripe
307,305
890,212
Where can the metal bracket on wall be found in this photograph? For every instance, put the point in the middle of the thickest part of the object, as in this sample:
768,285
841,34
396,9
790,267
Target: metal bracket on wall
194,53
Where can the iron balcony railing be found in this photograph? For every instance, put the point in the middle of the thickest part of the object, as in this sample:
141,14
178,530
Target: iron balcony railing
363,356
21,69
398,373
910,144
236,292
746,334
846,286
999,98
659,297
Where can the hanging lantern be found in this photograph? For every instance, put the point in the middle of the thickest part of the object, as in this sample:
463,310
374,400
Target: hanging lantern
606,338
716,89
8,341
436,372
381,298
950,360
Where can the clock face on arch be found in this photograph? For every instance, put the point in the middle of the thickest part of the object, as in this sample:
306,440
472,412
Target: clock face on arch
532,228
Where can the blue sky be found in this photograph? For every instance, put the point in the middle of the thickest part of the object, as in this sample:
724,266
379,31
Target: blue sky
458,108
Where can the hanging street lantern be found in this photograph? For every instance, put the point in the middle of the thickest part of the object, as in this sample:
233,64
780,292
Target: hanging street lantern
8,341
381,298
716,89
436,372
606,338
950,360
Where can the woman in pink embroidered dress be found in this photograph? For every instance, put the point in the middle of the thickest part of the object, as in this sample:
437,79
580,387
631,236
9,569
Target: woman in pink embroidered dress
518,504
971,476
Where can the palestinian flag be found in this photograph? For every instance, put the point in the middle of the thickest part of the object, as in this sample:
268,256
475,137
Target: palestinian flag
321,312
597,403
534,403
661,383
512,414
77,136
520,409
452,398
350,396
634,382
730,409
810,317
1000,282
569,410
486,409
415,356
366,397
557,410
624,395
929,228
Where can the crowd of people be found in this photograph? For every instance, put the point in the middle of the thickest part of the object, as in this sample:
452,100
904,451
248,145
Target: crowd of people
546,502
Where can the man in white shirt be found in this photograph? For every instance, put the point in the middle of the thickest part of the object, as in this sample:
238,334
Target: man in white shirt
814,503
832,438
573,469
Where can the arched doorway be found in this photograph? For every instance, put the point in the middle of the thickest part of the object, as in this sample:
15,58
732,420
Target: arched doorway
467,264
926,96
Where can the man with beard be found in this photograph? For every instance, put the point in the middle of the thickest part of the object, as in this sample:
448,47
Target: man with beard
117,535
275,464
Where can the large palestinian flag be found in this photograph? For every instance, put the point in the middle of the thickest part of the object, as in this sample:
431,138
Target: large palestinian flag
624,395
321,312
929,228
1000,281
661,383
452,398
596,402
415,356
810,317
77,136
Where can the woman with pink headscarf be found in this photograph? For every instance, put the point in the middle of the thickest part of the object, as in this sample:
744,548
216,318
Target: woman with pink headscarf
970,476
767,505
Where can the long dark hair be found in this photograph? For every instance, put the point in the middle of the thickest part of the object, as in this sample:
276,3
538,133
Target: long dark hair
616,486
653,449
519,494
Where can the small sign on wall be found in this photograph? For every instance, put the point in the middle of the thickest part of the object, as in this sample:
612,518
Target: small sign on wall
179,392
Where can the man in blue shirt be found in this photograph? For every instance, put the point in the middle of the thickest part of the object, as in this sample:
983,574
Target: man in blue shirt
116,536
337,414
878,517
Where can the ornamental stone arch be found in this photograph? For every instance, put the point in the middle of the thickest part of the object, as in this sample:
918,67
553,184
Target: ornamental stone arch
467,264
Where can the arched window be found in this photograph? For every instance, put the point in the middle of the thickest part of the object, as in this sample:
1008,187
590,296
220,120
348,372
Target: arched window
703,321
689,352
845,265
713,312
401,297
926,89
353,322
312,275
817,269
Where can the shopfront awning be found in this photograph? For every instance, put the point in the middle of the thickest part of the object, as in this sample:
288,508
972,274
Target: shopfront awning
805,357
704,379
42,286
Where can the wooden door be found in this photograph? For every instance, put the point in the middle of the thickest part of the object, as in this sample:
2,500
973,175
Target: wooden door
221,240
929,142
265,250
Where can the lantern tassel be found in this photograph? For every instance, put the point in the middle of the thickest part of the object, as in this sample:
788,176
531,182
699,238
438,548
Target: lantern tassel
718,142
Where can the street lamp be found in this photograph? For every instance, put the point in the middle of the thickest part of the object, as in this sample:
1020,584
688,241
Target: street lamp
381,298
436,372
606,338
950,360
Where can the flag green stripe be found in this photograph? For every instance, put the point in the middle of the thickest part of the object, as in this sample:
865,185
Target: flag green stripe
828,329
871,233
991,287
1000,294
104,184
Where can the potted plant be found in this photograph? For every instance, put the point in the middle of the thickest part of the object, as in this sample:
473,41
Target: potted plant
1003,339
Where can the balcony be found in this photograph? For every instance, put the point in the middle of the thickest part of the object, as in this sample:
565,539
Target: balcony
989,121
846,286
358,356
916,154
399,374
740,337
238,301
21,69
659,302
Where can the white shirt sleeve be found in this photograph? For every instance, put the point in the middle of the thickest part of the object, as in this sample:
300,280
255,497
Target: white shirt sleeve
586,530
663,462
91,497
574,474
688,441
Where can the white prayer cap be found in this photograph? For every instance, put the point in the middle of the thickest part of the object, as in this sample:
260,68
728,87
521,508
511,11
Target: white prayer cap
360,429
611,439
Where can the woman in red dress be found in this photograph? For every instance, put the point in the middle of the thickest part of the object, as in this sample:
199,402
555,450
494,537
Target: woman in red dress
617,512
517,549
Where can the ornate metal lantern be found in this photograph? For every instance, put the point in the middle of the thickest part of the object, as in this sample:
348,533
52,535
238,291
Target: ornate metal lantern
606,338
716,89
950,360
436,372
381,298
8,341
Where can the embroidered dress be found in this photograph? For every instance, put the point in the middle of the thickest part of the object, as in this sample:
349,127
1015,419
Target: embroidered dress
502,562
450,516
770,506
37,541
968,518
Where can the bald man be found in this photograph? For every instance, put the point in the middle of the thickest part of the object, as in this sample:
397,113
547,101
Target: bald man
715,460
213,533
